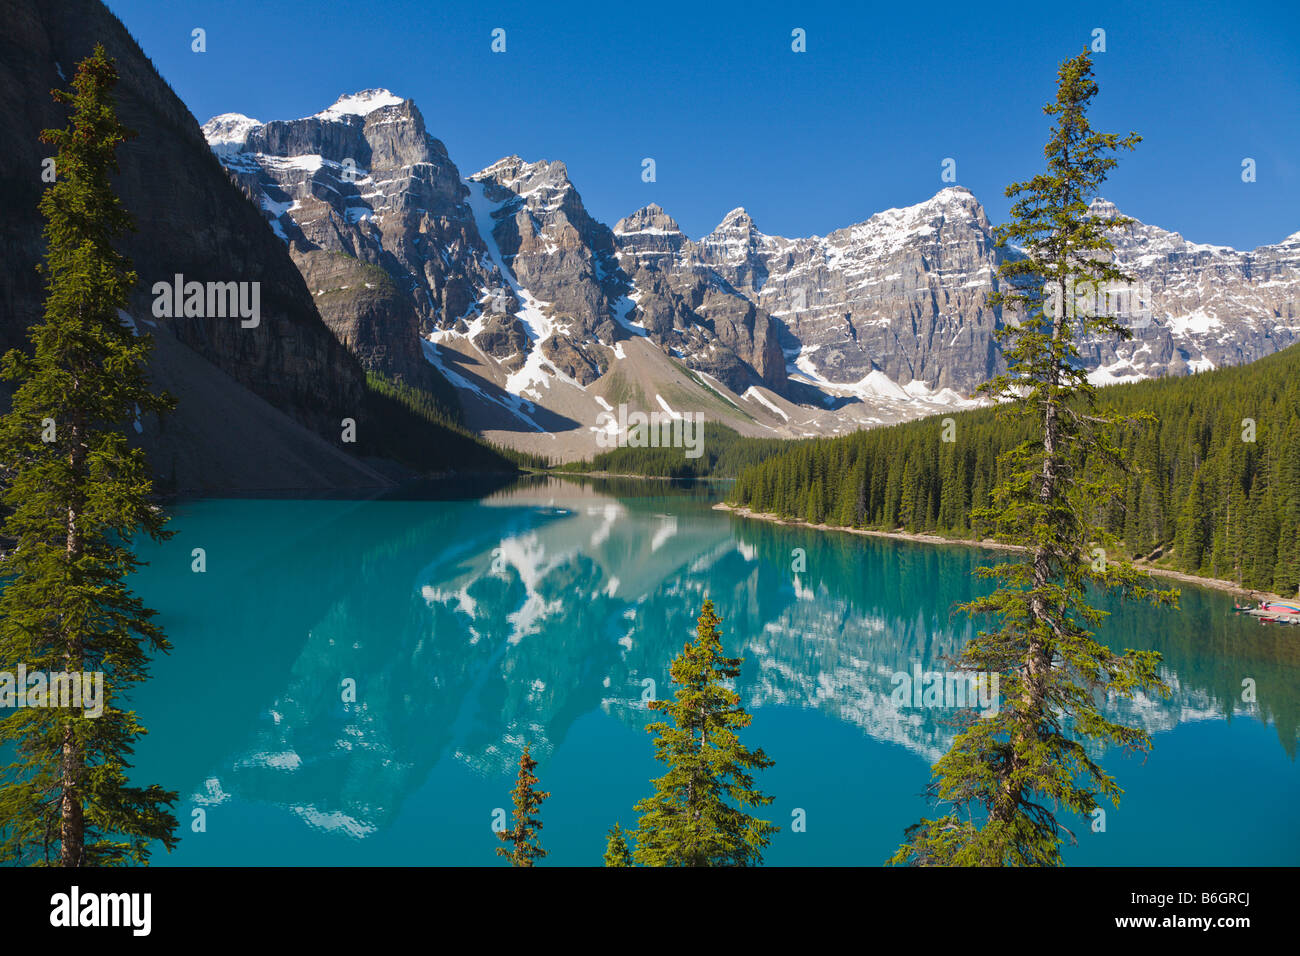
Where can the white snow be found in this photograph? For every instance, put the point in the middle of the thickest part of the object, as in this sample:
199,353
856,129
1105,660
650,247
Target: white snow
226,132
715,385
359,104
514,404
875,385
1118,371
623,308
1197,323
537,369
878,383
664,406
755,395
649,231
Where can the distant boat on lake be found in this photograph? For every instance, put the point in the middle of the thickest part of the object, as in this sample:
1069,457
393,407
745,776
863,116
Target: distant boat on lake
1273,612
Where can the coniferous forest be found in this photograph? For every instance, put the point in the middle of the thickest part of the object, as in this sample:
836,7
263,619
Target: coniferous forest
1215,490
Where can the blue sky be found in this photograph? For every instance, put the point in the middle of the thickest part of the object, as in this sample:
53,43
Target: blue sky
807,142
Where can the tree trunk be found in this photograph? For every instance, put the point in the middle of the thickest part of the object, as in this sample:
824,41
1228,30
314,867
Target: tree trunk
1037,661
72,767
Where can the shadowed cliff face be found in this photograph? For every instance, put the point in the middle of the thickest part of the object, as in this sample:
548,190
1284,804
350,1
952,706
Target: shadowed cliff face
191,220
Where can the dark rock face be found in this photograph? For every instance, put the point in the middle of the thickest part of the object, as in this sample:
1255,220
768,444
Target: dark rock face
503,337
367,313
192,219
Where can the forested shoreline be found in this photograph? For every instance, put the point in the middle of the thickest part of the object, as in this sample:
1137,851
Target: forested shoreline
1214,490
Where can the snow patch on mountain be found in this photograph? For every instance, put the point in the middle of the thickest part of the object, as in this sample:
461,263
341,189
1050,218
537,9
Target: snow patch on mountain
537,369
360,104
226,132
514,404
754,394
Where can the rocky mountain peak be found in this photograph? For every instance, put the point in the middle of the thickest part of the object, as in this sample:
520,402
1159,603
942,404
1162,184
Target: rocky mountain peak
648,219
362,103
737,221
226,132
953,202
954,194
1103,208
518,176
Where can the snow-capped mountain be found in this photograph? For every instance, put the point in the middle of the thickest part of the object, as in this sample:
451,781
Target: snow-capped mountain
1201,307
889,308
503,284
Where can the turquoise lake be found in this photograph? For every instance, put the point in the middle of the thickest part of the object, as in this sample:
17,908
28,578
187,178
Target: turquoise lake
534,615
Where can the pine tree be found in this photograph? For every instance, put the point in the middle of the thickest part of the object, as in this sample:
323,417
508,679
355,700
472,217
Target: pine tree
77,495
696,816
525,845
814,513
1008,776
907,508
616,851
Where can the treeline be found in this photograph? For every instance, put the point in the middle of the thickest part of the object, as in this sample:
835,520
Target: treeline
724,454
1214,489
424,431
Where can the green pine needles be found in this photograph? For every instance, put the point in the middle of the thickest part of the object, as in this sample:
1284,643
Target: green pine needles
523,840
616,851
1007,777
697,813
76,494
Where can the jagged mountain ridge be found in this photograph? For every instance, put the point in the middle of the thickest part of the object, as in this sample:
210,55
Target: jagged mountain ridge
540,315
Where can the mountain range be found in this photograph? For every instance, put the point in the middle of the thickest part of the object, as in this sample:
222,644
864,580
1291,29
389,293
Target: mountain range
541,316
518,313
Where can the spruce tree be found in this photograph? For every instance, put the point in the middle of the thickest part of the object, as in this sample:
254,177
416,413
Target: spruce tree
1008,776
76,495
696,816
525,845
616,851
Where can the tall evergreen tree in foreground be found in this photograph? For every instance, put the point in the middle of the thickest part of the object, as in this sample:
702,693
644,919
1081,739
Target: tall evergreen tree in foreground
1007,777
696,816
525,845
76,495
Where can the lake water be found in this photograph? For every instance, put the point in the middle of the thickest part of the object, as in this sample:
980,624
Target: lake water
536,614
